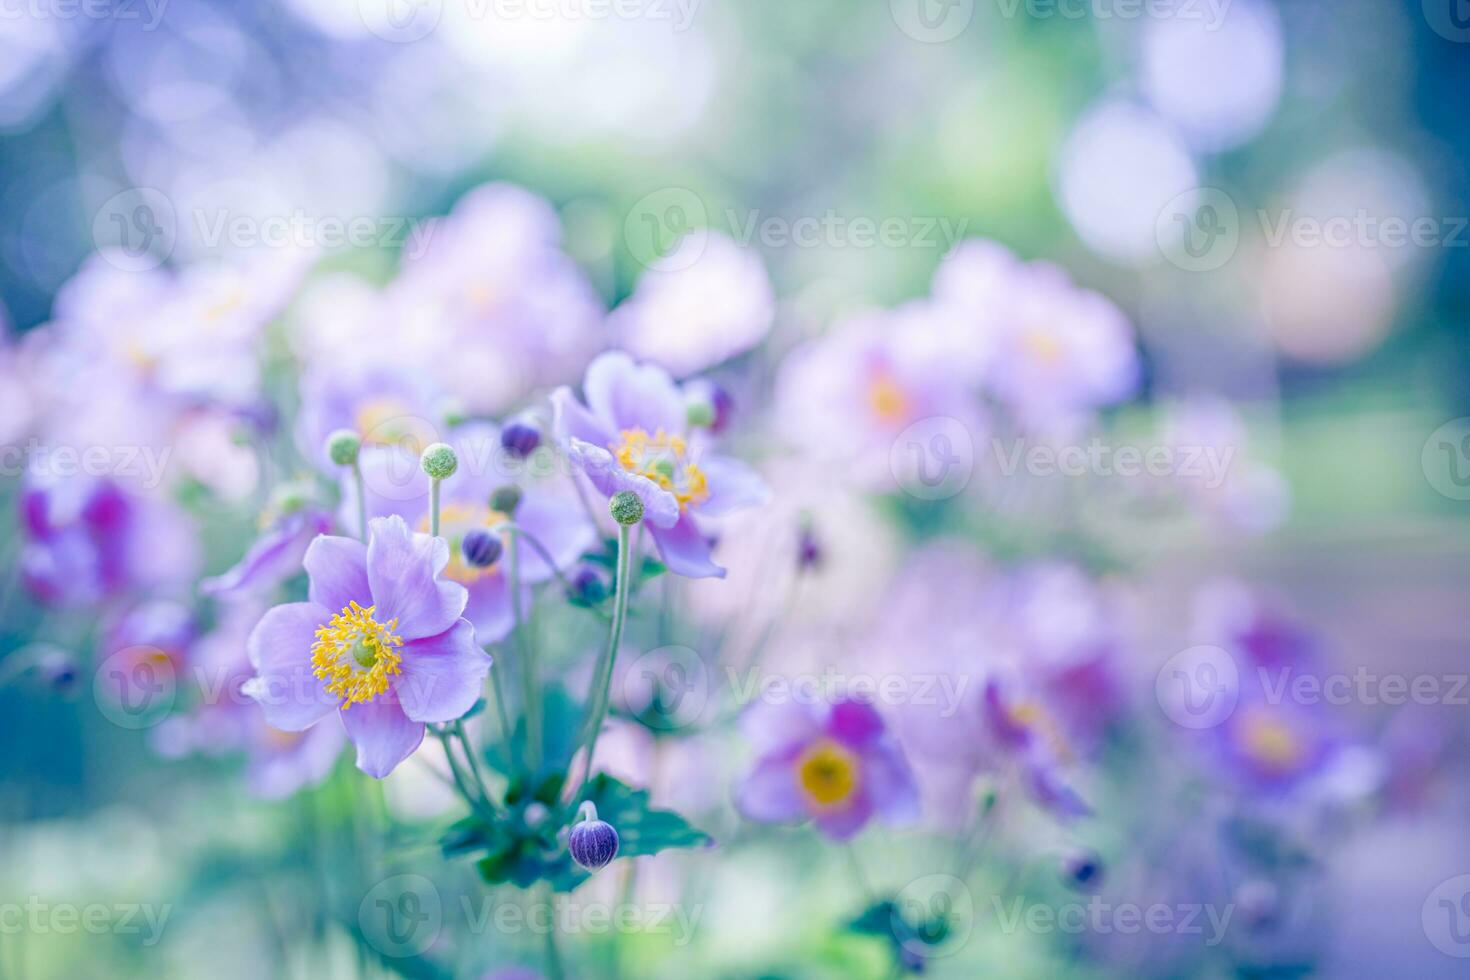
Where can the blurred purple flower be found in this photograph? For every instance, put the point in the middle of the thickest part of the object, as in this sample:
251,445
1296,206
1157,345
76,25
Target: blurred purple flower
836,765
394,656
1057,352
88,541
273,558
493,305
631,436
706,302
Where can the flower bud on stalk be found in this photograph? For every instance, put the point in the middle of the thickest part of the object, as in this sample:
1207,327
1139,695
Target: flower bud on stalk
626,508
343,447
593,842
481,548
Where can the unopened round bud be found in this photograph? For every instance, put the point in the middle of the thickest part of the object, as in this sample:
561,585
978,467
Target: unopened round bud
439,461
626,508
808,551
343,447
505,500
481,548
520,439
589,586
1082,869
593,842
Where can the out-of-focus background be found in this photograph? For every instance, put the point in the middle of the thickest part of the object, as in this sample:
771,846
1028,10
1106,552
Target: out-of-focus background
1273,196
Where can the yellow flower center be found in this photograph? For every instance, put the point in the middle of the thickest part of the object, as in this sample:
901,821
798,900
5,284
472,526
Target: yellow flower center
887,399
455,521
386,421
828,773
663,458
1042,345
1271,742
356,655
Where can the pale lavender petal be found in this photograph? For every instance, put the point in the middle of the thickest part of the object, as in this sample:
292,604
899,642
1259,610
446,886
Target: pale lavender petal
625,395
277,772
275,556
732,486
489,610
383,734
443,676
559,526
661,508
571,421
889,783
337,568
403,570
770,793
288,690
685,550
776,725
843,823
1047,787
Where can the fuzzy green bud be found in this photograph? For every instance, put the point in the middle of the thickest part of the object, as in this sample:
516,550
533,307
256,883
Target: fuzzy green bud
626,508
505,499
439,461
343,446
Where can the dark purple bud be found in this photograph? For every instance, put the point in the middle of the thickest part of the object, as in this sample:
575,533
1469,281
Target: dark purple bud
593,843
520,439
808,551
1082,870
481,548
589,586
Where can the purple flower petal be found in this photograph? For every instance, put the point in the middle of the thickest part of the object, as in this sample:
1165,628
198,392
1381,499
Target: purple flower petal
274,557
403,569
572,421
489,609
855,723
770,793
771,726
889,783
685,550
288,690
843,823
732,486
559,526
383,734
337,568
443,676
661,508
625,395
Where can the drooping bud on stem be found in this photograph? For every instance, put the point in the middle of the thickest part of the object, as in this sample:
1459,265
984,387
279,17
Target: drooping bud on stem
593,842
481,548
506,499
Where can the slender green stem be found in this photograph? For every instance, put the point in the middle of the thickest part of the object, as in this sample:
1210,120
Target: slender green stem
602,680
554,968
529,680
361,499
434,507
474,760
500,708
476,802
